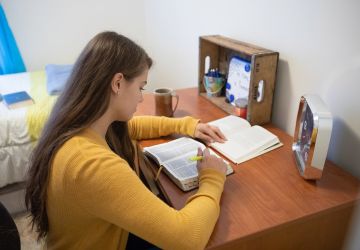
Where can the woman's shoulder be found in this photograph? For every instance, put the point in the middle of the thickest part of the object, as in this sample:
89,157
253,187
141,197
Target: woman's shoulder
84,145
81,154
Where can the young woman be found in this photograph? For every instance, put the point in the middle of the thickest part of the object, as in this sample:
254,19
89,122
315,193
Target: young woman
83,192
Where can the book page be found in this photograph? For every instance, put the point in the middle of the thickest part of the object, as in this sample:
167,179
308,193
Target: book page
230,124
181,167
246,143
174,149
175,157
272,147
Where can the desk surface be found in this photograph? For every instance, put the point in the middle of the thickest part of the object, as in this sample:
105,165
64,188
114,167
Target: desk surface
264,193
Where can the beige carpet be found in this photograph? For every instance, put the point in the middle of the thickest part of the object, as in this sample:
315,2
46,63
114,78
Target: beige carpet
27,236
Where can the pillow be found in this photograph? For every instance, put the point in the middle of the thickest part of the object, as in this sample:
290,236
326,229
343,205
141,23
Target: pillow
56,77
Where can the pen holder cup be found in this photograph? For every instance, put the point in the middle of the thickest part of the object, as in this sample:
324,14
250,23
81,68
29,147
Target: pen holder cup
213,85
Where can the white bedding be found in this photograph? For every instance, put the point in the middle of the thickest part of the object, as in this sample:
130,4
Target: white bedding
15,141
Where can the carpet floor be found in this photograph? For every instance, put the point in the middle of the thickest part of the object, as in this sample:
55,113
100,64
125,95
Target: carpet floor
27,236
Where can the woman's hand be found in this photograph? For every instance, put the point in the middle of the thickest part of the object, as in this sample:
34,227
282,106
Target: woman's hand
209,133
210,161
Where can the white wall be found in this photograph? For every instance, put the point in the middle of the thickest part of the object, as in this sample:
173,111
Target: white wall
56,31
318,41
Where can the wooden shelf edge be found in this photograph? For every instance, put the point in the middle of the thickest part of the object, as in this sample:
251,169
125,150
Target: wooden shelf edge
220,102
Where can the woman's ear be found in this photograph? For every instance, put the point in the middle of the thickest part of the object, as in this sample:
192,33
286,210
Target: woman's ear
117,82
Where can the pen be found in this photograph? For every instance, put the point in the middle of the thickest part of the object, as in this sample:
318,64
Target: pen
196,158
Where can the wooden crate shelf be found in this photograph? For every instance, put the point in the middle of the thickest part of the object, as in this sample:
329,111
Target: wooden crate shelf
263,62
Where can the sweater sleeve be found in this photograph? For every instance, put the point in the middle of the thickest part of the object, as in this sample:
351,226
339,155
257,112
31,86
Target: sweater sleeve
145,127
109,189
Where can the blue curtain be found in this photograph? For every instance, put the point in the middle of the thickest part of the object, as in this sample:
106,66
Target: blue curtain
10,58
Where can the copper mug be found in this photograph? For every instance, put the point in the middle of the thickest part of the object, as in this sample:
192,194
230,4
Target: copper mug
163,102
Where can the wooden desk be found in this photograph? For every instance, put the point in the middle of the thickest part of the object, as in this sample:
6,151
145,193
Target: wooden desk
266,204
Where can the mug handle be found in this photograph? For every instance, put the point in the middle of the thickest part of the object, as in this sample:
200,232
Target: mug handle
173,94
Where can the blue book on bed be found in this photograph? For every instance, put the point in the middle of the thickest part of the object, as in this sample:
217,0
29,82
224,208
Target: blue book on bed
17,100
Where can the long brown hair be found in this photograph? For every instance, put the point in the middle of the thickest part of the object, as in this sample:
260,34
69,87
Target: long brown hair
85,98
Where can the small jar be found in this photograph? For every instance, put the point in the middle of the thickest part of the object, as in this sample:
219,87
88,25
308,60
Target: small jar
241,107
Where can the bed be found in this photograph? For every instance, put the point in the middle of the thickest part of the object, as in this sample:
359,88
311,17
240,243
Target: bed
20,128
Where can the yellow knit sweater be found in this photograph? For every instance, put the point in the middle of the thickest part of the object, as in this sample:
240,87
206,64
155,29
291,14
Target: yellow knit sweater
95,198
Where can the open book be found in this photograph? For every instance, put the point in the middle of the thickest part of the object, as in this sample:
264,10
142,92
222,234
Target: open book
244,141
174,157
